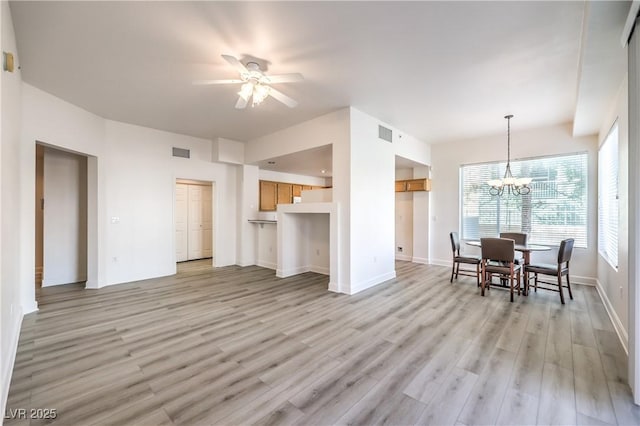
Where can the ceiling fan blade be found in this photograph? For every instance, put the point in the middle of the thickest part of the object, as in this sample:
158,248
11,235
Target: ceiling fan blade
242,103
207,82
236,63
285,78
282,98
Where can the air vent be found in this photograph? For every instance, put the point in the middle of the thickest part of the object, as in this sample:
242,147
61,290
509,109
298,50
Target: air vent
385,134
181,152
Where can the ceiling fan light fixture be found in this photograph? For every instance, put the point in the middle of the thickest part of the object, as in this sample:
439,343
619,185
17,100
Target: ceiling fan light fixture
260,93
245,91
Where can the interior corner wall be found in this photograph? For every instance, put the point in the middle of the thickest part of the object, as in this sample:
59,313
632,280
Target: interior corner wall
13,303
65,218
445,190
613,284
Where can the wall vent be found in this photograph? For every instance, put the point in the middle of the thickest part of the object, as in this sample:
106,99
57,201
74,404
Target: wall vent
385,134
181,152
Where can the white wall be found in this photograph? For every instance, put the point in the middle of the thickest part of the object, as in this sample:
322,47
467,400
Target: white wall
421,235
140,185
327,129
65,218
291,178
247,209
136,176
404,218
445,196
614,285
12,304
372,204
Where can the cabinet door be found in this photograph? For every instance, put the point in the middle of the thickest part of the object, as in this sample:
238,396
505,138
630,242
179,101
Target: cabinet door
401,185
296,189
268,195
284,193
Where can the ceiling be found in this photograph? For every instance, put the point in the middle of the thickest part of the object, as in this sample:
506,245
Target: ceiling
440,71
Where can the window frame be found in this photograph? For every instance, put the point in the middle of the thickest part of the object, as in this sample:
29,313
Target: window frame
502,164
603,245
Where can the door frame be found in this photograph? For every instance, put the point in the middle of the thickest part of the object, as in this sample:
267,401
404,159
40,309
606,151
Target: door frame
214,214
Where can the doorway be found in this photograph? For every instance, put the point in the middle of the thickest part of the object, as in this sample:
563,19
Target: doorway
60,217
194,220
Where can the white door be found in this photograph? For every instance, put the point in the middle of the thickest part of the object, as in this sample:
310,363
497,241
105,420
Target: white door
195,222
182,208
207,222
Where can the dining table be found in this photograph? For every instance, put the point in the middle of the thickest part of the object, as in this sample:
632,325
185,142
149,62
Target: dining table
525,249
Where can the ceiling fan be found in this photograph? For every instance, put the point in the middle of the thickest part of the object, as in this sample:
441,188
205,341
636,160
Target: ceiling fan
256,84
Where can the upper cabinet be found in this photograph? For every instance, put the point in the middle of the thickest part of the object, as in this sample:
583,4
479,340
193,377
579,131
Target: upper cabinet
268,195
284,193
410,185
274,193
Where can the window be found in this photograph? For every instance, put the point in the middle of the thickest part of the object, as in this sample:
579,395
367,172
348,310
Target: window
608,198
555,209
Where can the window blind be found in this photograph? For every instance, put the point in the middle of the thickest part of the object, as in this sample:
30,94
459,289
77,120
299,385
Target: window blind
608,198
555,209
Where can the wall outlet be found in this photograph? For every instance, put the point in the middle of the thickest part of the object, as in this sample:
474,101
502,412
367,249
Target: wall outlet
270,249
399,249
317,252
114,259
375,259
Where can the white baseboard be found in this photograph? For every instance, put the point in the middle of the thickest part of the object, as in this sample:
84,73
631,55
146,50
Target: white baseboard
334,287
319,269
440,262
283,273
422,260
8,359
363,285
243,264
615,319
403,257
265,264
576,279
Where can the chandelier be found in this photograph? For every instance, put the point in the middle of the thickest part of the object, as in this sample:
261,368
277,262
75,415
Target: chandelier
512,185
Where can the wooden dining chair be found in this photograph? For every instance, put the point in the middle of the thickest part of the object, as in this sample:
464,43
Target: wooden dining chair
519,238
498,259
457,260
558,270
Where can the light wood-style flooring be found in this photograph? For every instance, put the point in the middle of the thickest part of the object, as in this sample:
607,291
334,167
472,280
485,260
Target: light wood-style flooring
240,346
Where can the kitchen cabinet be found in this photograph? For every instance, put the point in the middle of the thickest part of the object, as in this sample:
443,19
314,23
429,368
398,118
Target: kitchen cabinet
284,193
412,185
274,193
268,195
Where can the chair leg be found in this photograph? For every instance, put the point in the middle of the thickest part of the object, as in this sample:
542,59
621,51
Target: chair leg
478,274
569,286
560,287
511,280
453,270
535,283
484,277
457,270
519,283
